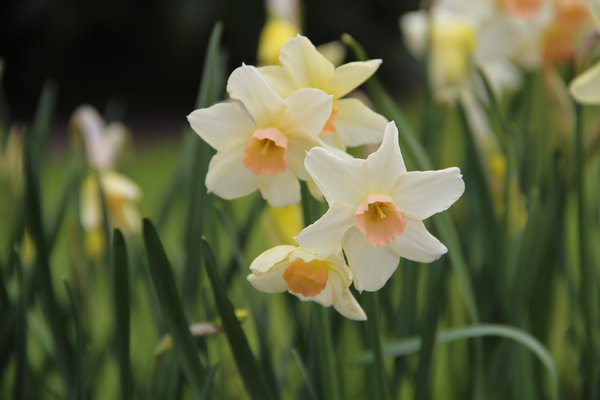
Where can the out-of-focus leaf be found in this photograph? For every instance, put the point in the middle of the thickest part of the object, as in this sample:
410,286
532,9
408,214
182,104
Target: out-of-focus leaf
253,379
121,310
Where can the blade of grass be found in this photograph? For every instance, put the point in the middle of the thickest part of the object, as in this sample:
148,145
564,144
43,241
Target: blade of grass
170,303
437,273
43,278
588,270
413,345
310,387
22,383
199,208
121,310
375,339
43,117
79,378
251,375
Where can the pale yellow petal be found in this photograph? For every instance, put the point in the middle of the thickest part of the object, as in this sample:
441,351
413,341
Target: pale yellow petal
349,76
585,88
307,67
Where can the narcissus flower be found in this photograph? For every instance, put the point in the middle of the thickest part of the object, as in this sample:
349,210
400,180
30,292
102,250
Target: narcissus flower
376,209
262,144
350,122
325,280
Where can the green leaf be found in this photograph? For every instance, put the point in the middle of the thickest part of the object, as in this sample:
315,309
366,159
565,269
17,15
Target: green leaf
63,348
43,117
375,338
79,380
170,303
413,345
251,374
121,310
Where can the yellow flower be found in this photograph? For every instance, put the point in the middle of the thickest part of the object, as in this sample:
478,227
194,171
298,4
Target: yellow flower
275,33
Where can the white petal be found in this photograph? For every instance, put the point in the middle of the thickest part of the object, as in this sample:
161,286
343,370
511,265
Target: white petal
306,65
247,85
345,303
325,298
424,193
585,88
386,164
222,125
119,185
372,265
279,79
417,244
279,190
268,259
324,236
296,153
340,177
271,281
227,177
306,113
90,208
358,124
349,76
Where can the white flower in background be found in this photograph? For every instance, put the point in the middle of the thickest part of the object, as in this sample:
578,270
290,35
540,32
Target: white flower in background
120,194
102,142
465,35
376,210
325,280
350,122
261,143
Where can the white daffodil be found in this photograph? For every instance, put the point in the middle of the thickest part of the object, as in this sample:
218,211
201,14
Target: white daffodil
350,122
102,142
121,196
325,280
262,144
376,210
465,35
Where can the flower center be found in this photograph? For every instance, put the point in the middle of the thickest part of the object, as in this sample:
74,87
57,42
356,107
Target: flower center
378,219
265,152
330,124
306,278
523,8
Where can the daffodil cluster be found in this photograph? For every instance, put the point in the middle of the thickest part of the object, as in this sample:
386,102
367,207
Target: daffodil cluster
103,184
292,122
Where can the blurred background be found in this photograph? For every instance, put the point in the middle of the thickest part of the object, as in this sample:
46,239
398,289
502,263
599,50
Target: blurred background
143,61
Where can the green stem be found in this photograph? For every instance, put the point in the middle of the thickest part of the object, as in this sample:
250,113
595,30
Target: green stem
375,339
331,380
587,269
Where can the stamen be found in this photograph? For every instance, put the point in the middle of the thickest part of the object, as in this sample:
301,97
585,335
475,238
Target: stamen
378,219
265,153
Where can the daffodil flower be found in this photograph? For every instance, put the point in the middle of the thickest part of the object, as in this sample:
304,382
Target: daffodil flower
376,209
325,280
350,122
261,141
